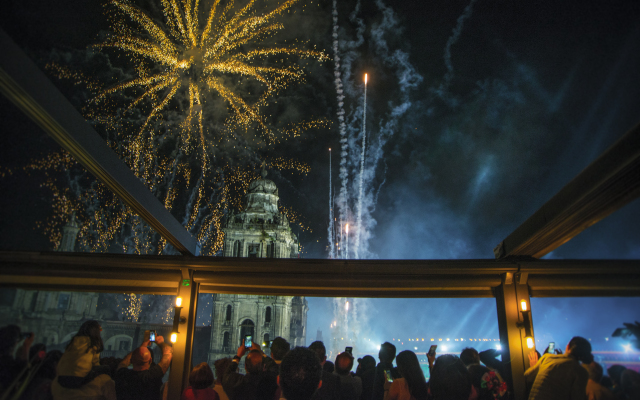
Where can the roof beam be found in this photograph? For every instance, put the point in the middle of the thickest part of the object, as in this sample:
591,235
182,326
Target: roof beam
293,277
607,184
31,91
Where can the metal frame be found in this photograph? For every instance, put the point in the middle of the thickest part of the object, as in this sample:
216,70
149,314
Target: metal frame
509,281
607,184
31,91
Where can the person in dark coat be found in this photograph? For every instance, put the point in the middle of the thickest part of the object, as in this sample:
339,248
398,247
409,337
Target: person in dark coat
330,389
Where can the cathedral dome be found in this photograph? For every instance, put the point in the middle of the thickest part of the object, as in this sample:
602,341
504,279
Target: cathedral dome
263,185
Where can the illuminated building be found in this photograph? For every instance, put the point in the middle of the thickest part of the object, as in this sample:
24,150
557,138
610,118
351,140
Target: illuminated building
258,231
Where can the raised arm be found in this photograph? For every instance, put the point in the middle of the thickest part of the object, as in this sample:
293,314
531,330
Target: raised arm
167,354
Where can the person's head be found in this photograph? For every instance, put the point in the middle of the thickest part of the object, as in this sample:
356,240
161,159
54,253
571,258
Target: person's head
253,362
595,371
606,382
201,376
580,349
221,366
630,383
279,348
409,368
50,364
469,356
320,350
37,349
387,352
450,379
329,367
141,359
300,374
488,384
615,372
344,363
366,363
9,337
91,329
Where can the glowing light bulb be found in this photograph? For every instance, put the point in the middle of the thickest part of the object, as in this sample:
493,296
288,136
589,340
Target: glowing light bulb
530,342
178,301
498,347
174,337
523,305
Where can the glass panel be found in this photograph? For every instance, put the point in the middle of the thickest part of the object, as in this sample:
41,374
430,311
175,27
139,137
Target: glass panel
361,323
55,317
559,319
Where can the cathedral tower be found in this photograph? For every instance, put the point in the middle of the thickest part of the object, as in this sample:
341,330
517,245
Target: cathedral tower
258,231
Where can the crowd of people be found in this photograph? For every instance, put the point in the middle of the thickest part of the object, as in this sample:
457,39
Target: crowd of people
29,372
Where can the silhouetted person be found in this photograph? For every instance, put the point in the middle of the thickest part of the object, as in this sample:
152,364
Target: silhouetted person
221,365
366,371
469,356
615,373
450,379
630,383
10,367
329,367
279,347
386,355
560,376
300,374
200,382
330,389
488,358
79,371
350,386
144,381
256,383
488,384
411,385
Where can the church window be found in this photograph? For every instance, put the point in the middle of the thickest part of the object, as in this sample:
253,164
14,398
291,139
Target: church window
226,340
267,315
63,301
228,316
7,296
34,299
246,328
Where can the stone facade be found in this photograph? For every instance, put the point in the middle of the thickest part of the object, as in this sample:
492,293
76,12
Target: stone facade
258,231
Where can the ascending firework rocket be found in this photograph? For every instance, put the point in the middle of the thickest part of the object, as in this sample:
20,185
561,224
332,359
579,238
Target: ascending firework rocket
360,194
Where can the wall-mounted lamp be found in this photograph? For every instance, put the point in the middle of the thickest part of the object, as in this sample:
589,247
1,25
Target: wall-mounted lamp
526,323
177,319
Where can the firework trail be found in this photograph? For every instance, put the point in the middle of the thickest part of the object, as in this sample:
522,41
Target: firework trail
162,118
342,203
360,189
330,230
455,35
394,63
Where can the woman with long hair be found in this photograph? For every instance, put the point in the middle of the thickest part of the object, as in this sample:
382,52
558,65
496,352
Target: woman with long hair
412,385
560,376
80,363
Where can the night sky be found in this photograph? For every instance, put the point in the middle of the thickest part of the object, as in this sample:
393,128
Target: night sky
478,112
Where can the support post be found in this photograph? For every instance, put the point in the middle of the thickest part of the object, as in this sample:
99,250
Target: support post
183,347
514,345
